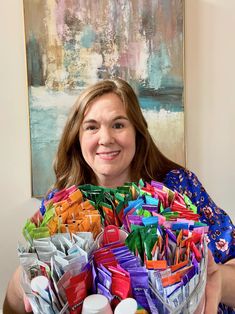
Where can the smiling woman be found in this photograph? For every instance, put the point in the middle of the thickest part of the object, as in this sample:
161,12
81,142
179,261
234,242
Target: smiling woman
106,140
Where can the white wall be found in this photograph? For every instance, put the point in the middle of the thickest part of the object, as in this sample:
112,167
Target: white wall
210,98
16,203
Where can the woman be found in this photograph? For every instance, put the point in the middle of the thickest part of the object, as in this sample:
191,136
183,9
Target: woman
106,142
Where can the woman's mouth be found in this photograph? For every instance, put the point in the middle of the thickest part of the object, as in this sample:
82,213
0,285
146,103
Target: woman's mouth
108,155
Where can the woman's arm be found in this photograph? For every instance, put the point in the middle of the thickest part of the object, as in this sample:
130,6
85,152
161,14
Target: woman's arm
220,286
14,300
228,283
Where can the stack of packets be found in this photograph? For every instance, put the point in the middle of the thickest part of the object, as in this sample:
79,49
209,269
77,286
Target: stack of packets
161,263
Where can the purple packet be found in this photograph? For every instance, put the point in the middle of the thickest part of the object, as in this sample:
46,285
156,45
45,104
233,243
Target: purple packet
94,279
172,289
151,208
135,220
126,223
128,264
124,258
120,250
158,185
139,296
104,291
195,264
105,270
103,278
171,235
123,254
189,275
139,278
176,298
151,306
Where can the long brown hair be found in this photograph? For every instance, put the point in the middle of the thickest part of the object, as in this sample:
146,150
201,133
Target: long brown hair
148,163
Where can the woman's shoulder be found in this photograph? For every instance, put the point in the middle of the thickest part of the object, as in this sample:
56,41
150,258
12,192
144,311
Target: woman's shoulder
181,180
181,174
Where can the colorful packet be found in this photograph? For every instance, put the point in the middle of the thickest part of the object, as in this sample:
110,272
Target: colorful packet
104,278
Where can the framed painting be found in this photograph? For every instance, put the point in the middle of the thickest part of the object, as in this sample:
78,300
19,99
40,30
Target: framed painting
71,44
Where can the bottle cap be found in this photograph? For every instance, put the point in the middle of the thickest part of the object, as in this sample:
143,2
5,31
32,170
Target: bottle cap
128,305
96,304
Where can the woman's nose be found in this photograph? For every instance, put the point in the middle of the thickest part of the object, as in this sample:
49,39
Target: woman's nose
105,136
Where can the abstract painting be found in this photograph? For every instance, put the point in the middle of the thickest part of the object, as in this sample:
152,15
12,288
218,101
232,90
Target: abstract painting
71,44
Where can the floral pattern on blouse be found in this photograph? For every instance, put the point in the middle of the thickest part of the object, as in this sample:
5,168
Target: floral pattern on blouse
221,235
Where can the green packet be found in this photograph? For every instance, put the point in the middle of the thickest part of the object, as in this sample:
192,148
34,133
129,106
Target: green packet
141,241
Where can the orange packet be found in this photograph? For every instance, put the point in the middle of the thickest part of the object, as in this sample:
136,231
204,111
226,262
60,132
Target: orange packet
61,207
87,205
160,264
75,197
171,280
52,226
178,266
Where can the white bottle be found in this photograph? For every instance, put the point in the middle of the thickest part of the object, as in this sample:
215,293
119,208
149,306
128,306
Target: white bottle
128,305
96,304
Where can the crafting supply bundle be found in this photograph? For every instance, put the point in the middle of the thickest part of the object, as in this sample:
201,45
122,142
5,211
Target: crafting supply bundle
140,241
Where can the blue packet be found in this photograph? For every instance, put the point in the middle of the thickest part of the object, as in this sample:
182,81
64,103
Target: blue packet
179,226
150,221
149,200
134,204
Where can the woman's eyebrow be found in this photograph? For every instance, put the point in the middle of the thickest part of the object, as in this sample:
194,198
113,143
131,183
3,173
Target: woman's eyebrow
120,117
89,121
114,119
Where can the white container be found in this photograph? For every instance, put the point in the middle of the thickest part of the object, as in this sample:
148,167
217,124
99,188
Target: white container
96,304
128,305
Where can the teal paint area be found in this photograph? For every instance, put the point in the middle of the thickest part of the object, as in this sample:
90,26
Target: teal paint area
168,103
88,37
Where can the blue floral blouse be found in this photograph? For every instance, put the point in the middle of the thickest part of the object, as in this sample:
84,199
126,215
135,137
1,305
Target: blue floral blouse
221,235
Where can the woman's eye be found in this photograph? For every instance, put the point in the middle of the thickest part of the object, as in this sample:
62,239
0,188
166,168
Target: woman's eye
118,126
90,128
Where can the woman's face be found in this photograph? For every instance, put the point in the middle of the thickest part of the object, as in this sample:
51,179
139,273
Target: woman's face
107,140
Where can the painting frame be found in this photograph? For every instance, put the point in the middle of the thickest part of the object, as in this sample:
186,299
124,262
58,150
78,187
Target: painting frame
57,98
